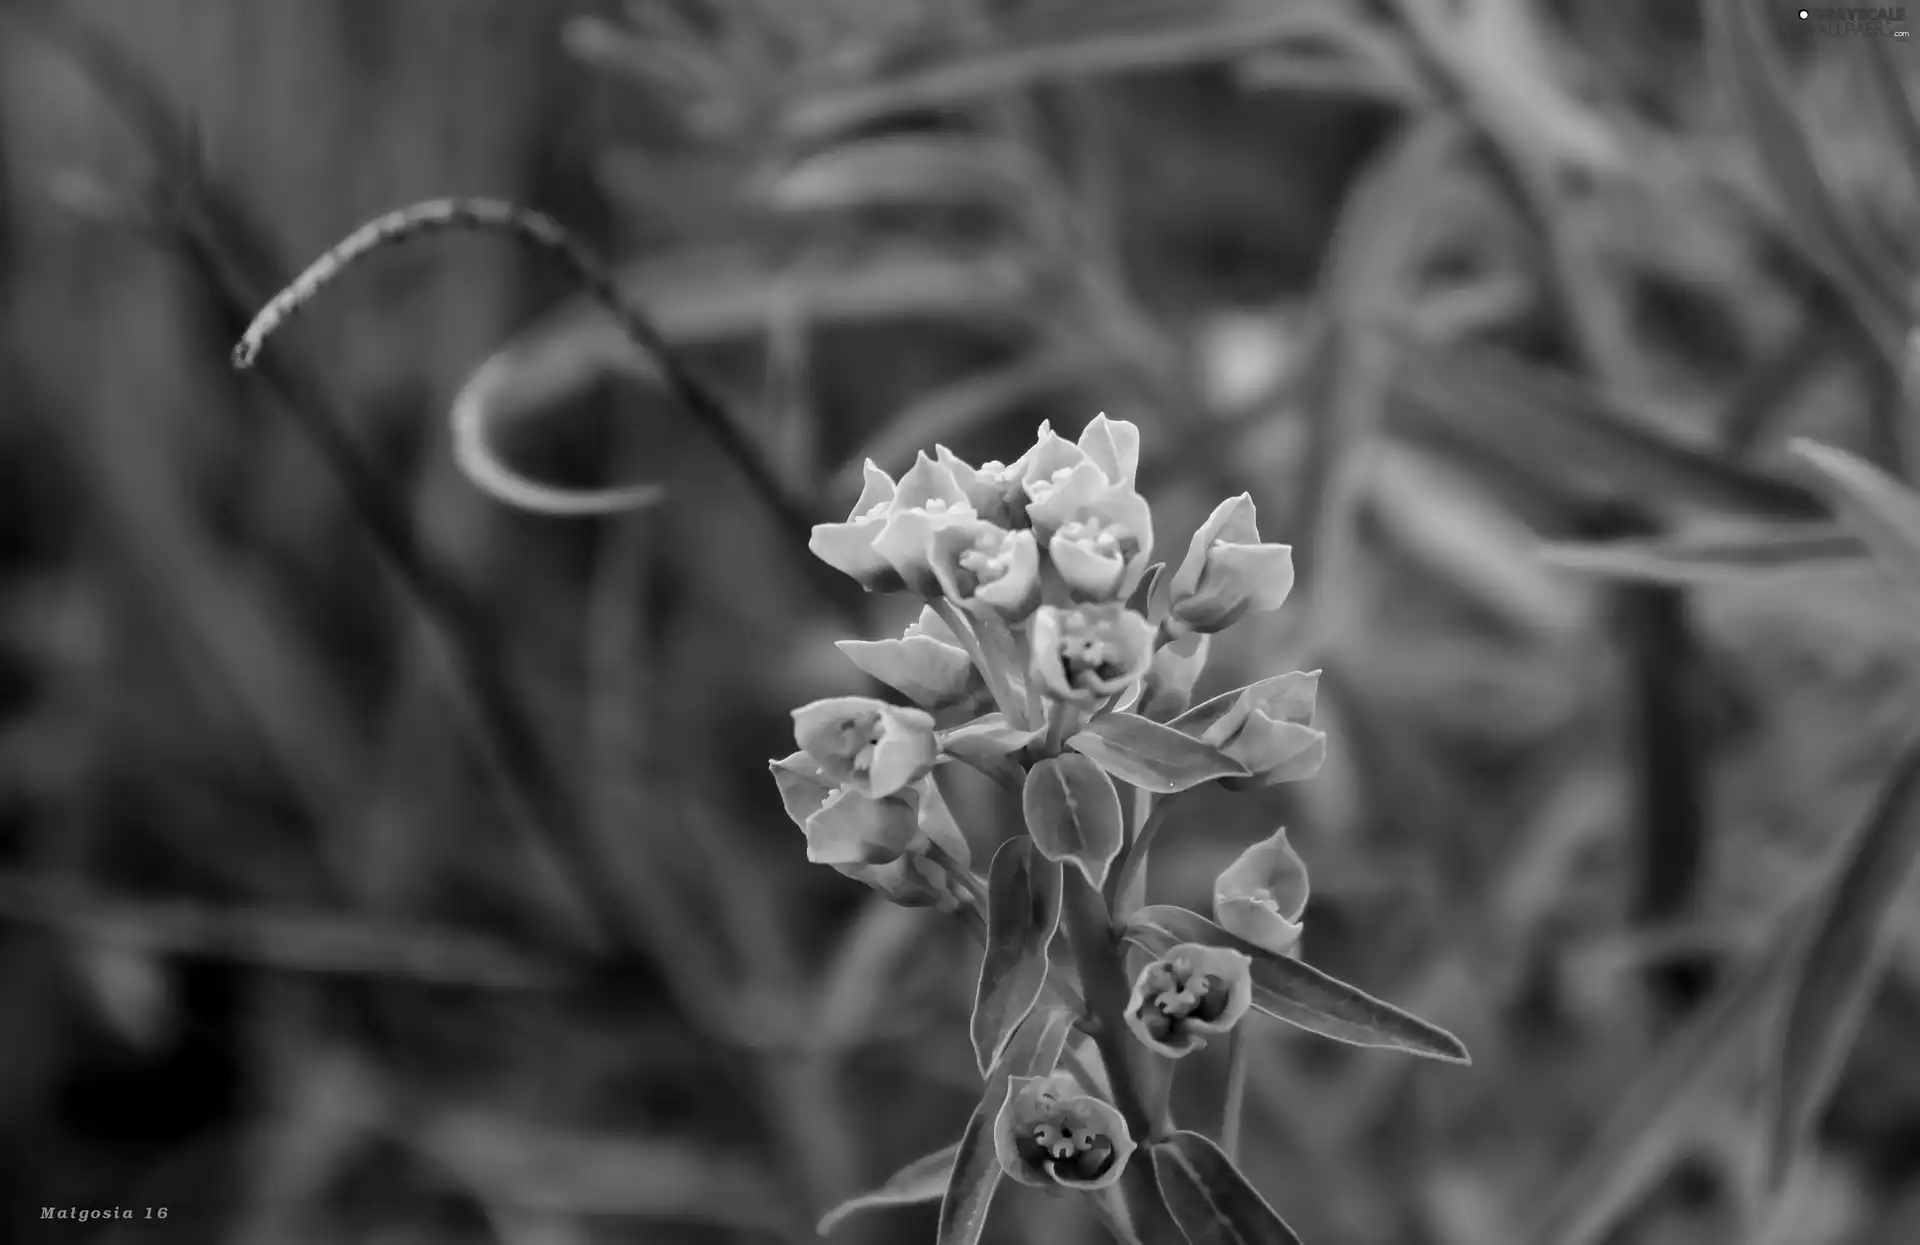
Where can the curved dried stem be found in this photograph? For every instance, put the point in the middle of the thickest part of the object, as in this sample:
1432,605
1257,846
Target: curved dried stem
555,242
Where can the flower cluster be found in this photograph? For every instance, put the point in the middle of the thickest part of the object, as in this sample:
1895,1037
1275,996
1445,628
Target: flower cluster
1056,657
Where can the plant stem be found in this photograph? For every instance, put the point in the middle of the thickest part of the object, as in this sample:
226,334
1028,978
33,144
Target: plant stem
1236,1088
963,631
1127,884
1103,975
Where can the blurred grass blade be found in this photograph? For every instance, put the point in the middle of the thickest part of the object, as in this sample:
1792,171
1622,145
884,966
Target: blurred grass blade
294,941
912,170
1023,912
1662,1116
1844,961
1034,1051
1176,36
1818,220
1209,1198
1889,85
1300,994
500,390
923,1180
1555,428
1762,552
531,1165
1884,513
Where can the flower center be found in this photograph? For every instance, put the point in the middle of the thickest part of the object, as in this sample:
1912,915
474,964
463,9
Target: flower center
1180,993
860,741
1078,1152
1106,539
990,558
1040,489
939,505
1088,655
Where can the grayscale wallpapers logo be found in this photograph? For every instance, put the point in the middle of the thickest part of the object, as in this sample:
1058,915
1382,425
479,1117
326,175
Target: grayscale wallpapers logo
1885,22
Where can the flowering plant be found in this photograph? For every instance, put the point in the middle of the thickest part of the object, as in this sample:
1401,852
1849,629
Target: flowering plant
1054,656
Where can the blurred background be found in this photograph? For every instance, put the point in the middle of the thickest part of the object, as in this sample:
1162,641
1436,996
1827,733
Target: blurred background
379,863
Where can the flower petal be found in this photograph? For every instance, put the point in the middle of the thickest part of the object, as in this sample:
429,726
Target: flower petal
1114,446
1262,895
932,673
804,787
1090,652
905,751
1190,993
856,829
1051,1132
848,548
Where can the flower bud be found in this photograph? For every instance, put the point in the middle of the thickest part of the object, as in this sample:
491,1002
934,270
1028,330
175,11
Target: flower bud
867,745
926,664
1187,994
848,546
987,569
1050,1133
845,826
1227,572
916,879
927,500
993,489
1264,727
1101,550
1057,479
1090,652
1261,896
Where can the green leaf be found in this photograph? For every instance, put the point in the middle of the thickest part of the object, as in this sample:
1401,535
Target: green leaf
1847,956
1034,1051
1300,994
923,1180
1023,911
1768,551
1884,513
1073,813
1210,1200
1150,756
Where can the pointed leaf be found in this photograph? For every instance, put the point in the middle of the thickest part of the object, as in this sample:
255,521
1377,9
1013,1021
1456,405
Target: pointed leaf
1300,994
1034,1051
1884,513
1847,956
1023,911
1142,600
1151,756
1210,1200
923,1180
1073,814
1762,552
